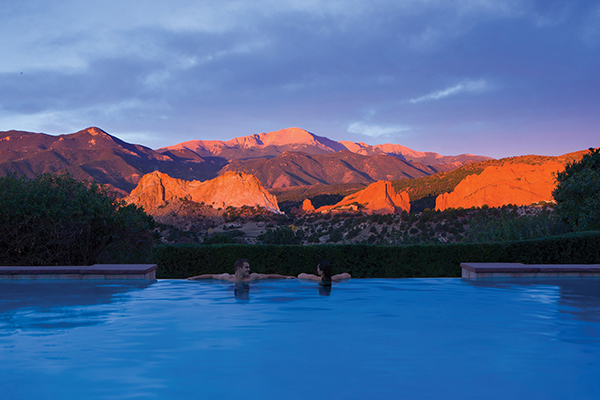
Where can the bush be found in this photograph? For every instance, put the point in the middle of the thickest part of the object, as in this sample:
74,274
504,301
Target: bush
509,226
336,236
353,233
373,261
225,237
58,220
578,192
281,235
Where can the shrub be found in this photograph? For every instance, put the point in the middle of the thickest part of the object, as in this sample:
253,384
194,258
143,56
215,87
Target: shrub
225,237
577,193
353,233
364,261
509,226
56,219
281,235
336,236
314,238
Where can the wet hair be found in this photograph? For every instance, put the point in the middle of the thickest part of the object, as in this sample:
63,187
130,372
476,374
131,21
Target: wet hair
326,267
239,263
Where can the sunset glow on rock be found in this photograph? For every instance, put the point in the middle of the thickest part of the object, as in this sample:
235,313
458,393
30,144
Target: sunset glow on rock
518,184
378,198
234,189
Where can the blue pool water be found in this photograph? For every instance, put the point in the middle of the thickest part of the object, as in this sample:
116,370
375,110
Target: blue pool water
369,339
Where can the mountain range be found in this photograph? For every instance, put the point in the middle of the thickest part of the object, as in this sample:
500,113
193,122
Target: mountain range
285,158
93,154
272,144
302,169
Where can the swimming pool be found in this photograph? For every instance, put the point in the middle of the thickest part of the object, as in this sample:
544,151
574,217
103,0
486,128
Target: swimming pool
369,339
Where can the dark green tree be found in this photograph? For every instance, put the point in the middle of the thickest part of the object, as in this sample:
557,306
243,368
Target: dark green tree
281,235
58,220
577,194
225,237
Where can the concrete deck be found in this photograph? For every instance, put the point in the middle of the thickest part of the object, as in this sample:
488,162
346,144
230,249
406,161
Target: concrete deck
517,270
96,271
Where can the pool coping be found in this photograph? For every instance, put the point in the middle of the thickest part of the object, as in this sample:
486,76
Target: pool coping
96,271
518,270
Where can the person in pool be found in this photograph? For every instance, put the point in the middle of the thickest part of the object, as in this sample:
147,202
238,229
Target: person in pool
324,271
241,274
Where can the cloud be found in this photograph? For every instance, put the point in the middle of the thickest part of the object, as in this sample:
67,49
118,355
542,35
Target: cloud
591,28
466,86
56,121
53,122
70,33
190,67
363,128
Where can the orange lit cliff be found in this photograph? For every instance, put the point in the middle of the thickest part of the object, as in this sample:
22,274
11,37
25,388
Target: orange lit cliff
378,198
234,189
518,184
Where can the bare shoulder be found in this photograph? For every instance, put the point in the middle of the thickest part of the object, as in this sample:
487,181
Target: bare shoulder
341,277
254,276
225,277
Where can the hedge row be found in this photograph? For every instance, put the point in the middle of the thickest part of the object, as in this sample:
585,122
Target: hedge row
370,261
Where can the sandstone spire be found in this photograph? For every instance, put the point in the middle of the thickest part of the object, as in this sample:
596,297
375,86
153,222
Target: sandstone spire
307,206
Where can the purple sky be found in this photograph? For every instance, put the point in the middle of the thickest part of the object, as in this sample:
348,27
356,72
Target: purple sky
491,77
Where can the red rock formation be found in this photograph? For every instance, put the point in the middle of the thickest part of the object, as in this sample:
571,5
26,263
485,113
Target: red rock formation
231,189
519,184
377,198
307,206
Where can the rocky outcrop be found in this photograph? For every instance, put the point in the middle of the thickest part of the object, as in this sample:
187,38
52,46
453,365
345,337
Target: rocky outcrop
234,189
378,198
519,184
307,206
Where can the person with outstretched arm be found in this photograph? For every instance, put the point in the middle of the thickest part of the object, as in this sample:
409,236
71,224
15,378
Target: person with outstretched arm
324,277
241,274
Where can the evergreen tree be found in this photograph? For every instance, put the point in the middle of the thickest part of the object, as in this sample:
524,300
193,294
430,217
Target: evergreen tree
578,192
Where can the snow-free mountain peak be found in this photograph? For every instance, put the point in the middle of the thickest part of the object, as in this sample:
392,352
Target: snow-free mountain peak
273,144
265,144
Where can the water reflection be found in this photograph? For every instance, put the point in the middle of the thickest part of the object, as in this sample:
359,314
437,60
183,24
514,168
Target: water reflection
577,297
325,288
56,305
242,291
